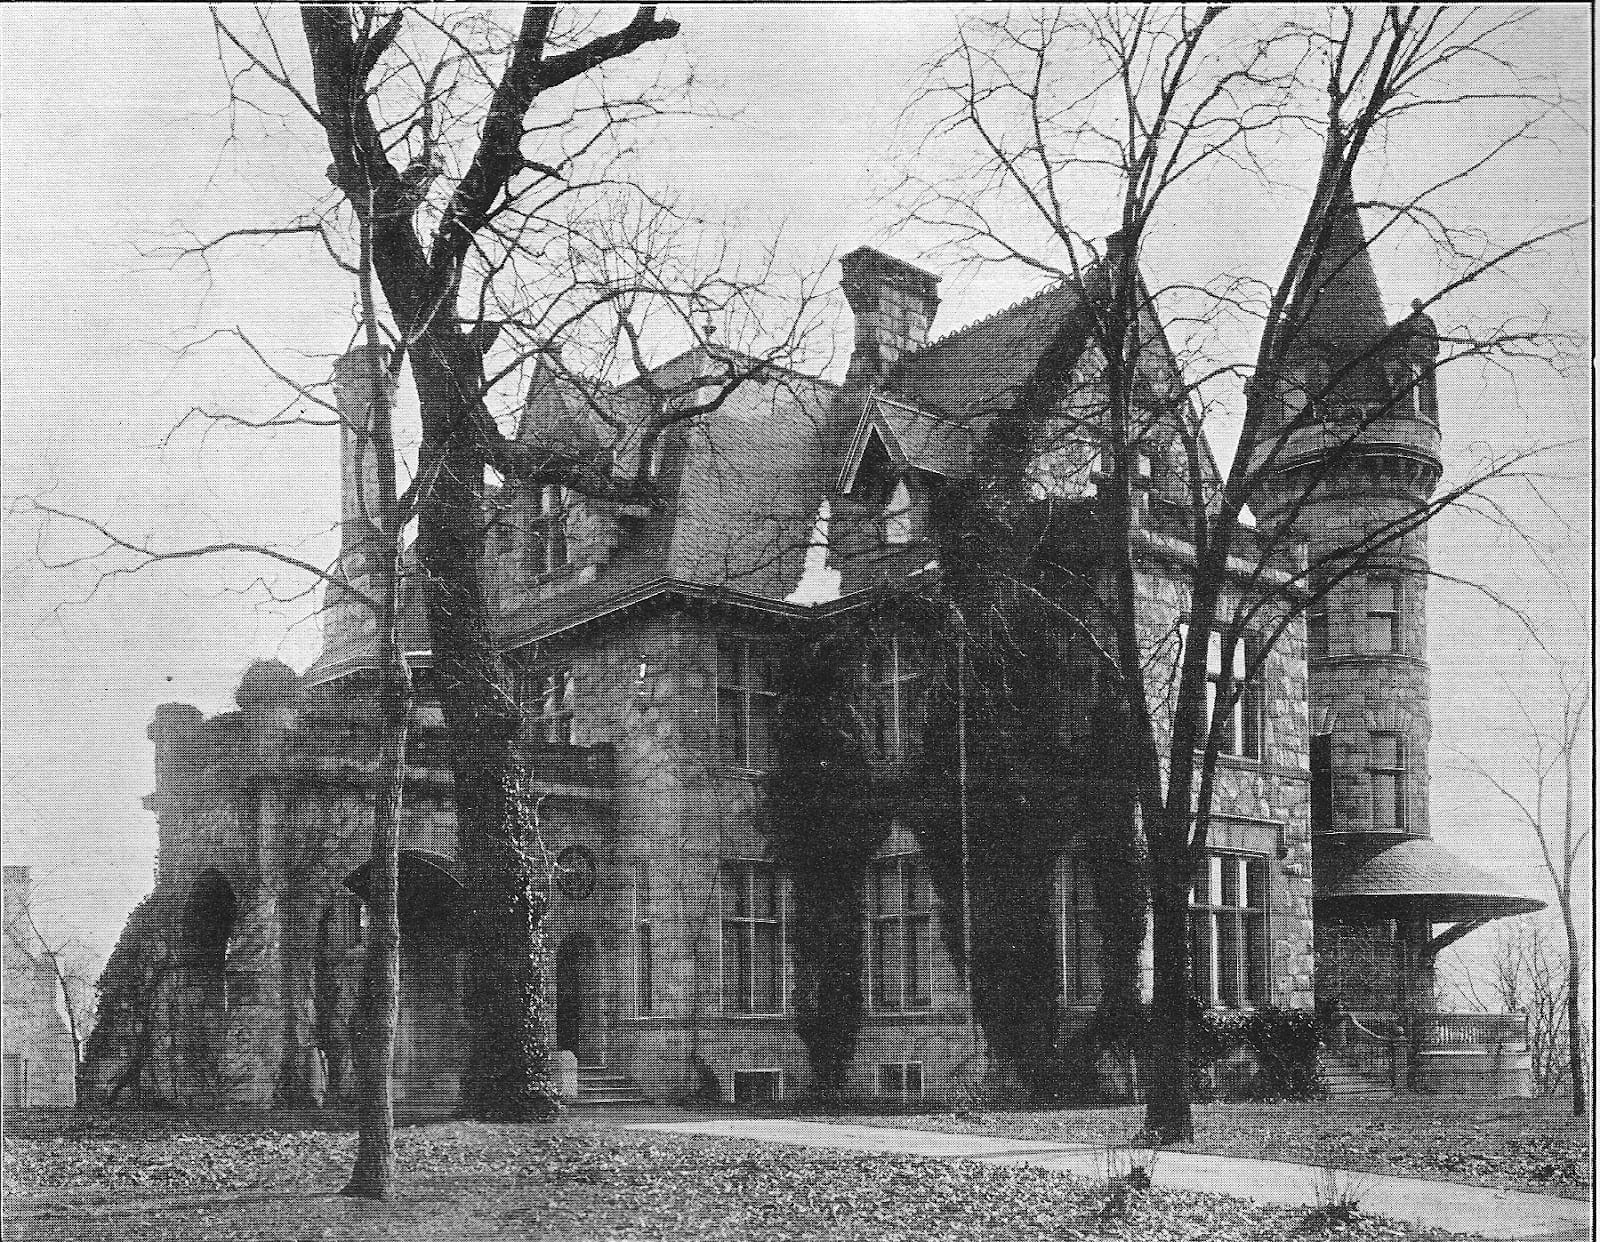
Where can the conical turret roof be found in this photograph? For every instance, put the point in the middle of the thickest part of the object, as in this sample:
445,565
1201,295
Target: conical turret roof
1337,302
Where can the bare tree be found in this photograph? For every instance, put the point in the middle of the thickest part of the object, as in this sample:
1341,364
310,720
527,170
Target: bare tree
1549,771
1528,974
72,968
1126,115
478,264
486,161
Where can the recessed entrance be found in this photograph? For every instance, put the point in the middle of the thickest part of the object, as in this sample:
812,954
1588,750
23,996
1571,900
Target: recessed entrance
578,1025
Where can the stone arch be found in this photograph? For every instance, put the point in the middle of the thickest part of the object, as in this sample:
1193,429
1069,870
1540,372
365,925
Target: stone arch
207,922
198,1001
431,1038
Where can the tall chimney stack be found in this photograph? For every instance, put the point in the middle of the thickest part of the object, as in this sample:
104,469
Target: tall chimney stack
894,305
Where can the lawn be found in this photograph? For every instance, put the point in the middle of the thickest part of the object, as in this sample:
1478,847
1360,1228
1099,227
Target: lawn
167,1178
1534,1145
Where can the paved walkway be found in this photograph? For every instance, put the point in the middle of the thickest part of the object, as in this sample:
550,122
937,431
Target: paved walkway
1476,1210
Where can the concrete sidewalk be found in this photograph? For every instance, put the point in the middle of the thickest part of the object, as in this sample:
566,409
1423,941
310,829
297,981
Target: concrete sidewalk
1443,1205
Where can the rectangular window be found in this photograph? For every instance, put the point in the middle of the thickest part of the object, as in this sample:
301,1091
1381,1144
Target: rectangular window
900,1079
1078,923
1322,782
1317,629
547,695
752,938
547,548
1383,615
900,916
1386,772
893,679
757,1086
1228,931
346,922
644,990
1242,729
746,702
557,705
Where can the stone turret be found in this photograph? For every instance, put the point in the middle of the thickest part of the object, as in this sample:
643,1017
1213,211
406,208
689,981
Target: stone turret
1358,451
349,628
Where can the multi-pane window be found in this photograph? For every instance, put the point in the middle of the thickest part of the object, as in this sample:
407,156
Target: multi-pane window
1228,931
1242,729
898,516
752,938
644,981
746,700
900,916
547,549
548,697
893,679
1386,774
557,689
1078,923
900,1079
1383,614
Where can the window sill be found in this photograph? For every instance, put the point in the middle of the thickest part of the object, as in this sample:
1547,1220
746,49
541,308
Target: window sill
736,1016
735,772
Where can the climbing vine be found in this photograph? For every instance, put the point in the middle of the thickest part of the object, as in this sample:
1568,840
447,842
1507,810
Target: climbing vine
996,672
826,822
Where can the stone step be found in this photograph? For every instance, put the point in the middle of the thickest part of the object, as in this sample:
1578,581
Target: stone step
600,1088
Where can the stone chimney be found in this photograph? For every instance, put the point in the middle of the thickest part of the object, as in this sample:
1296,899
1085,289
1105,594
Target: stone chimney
894,305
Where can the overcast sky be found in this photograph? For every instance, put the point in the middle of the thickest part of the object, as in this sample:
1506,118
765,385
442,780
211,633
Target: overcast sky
115,133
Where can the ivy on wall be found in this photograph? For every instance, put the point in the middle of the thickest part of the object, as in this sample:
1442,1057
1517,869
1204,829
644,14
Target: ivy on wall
997,643
826,821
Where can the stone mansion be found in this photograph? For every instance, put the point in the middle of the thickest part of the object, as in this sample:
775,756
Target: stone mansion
654,645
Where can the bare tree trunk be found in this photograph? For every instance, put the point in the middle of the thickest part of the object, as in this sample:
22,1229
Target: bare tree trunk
508,1071
378,1002
1580,1094
1168,1113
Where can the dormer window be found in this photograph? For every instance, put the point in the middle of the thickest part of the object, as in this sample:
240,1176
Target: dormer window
899,524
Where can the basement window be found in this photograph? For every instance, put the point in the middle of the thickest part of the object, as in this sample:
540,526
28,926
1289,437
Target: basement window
761,1086
900,1080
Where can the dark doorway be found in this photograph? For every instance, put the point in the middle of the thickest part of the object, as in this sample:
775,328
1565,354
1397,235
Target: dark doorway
575,998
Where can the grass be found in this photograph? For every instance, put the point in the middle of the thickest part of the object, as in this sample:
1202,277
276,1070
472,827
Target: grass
1532,1145
170,1178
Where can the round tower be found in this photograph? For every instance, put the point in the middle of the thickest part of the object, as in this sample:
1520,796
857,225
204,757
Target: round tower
1357,459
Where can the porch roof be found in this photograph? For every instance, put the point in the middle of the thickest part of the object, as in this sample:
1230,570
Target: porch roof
1415,878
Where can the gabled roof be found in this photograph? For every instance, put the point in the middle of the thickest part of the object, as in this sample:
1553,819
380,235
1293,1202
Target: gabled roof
984,365
914,439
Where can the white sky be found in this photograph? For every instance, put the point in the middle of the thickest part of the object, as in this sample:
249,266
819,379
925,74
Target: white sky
115,138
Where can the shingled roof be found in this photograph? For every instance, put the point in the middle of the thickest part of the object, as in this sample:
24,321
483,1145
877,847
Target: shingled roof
984,365
1414,878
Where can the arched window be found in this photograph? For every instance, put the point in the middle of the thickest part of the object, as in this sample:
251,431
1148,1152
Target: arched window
897,515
